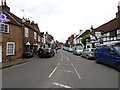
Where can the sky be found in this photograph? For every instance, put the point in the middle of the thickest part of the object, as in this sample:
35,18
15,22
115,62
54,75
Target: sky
61,18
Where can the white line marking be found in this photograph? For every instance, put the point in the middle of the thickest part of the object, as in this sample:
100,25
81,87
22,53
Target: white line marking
54,70
66,71
61,59
76,71
61,85
67,58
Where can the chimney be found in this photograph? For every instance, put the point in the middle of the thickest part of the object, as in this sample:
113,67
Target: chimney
5,4
1,2
32,23
118,13
81,31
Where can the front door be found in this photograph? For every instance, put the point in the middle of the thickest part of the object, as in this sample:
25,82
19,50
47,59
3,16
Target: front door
0,52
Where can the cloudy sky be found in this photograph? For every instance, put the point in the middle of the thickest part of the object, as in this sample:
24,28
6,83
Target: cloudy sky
61,18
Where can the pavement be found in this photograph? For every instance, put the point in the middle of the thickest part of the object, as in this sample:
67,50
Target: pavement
16,62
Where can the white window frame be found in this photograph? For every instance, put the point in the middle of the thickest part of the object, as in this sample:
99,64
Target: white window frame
7,52
118,31
98,34
38,38
35,35
3,31
26,32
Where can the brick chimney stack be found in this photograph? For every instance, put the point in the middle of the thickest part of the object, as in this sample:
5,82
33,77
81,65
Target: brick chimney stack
1,2
118,13
5,4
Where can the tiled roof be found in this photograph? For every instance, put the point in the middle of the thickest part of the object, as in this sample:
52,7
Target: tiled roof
85,33
109,26
18,21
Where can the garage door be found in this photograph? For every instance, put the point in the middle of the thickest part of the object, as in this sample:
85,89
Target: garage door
0,52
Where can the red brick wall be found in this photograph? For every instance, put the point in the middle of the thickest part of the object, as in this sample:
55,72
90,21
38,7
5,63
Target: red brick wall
15,35
31,37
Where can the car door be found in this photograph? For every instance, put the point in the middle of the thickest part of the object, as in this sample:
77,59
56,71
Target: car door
110,56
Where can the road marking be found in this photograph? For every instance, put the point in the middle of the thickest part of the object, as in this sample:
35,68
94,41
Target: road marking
61,59
61,85
66,71
67,58
76,71
54,70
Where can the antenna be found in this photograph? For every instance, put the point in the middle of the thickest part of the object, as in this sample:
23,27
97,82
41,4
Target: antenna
23,12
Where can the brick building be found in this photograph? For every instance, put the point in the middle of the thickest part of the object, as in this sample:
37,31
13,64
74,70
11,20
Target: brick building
17,36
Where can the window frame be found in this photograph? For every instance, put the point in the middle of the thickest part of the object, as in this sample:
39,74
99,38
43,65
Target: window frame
26,32
4,28
10,54
35,35
38,38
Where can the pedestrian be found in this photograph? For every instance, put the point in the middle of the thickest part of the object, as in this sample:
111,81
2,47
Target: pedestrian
56,49
40,51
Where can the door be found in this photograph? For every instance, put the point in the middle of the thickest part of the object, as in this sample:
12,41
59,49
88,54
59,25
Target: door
0,52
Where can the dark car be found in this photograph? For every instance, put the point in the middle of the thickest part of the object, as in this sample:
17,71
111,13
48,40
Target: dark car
47,52
108,54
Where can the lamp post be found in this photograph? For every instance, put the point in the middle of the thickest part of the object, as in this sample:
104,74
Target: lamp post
23,20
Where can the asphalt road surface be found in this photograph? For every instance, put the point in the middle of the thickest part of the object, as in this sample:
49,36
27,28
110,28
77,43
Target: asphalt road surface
64,70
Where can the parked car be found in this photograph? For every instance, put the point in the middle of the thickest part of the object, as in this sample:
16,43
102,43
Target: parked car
46,52
88,53
78,50
108,54
70,49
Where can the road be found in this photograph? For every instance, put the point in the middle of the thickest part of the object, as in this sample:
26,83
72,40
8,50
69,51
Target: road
64,70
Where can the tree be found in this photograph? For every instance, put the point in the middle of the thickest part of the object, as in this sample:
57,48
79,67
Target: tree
83,40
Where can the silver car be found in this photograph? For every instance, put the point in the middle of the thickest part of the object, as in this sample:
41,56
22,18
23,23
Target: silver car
88,53
78,50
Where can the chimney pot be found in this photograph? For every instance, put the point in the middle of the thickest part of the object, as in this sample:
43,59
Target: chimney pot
5,4
1,2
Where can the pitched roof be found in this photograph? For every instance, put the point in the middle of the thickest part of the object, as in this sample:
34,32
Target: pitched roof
83,34
109,26
18,21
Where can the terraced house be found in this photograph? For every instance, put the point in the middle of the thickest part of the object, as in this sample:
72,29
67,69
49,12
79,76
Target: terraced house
17,36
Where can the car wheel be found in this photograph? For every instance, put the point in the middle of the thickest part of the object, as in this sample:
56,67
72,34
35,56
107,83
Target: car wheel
87,57
118,67
97,60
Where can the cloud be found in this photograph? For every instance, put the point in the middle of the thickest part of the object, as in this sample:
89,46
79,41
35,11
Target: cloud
61,18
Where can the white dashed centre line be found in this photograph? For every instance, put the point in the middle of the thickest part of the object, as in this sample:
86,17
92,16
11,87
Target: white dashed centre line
54,70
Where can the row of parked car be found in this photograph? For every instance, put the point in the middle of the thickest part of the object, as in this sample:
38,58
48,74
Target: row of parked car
106,53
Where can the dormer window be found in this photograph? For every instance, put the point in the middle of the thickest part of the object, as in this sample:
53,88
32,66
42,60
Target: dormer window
4,28
26,32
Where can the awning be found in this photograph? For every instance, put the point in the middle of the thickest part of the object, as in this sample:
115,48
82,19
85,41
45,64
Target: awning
28,44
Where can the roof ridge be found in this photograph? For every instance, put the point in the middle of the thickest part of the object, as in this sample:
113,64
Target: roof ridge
13,18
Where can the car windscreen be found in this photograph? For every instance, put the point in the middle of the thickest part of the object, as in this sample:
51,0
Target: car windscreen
79,48
117,48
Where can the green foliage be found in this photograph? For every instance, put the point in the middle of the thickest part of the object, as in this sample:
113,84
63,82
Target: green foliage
83,40
71,43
